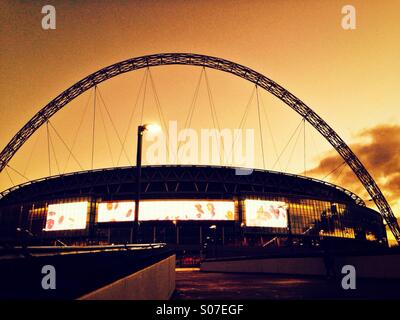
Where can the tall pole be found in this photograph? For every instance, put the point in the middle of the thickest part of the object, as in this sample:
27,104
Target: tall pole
289,226
141,129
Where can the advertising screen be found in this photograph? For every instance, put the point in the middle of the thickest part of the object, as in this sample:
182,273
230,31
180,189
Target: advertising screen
186,210
116,211
264,213
66,216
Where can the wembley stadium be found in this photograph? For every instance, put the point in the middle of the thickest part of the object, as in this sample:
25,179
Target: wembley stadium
188,207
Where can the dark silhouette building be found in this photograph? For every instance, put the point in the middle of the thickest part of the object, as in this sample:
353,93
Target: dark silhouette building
188,206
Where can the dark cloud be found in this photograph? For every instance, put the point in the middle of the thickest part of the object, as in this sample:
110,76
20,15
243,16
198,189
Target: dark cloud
380,154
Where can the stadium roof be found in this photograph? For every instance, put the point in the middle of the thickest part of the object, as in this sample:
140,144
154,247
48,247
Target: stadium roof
177,181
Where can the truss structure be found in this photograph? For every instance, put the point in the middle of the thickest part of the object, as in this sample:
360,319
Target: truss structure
219,64
168,181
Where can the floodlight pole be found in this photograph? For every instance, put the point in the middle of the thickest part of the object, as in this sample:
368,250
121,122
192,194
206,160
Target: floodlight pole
140,131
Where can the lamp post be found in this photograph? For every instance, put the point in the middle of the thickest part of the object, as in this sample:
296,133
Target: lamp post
141,129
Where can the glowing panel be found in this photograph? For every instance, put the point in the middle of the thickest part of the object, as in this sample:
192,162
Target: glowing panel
264,213
66,216
186,210
116,211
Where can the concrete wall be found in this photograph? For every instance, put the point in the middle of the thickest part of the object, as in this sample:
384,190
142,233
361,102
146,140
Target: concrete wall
377,267
156,282
301,266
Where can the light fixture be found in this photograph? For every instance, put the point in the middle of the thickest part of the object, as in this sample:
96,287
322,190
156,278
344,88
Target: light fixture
152,128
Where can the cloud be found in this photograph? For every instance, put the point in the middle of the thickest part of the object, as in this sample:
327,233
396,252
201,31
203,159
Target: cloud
379,151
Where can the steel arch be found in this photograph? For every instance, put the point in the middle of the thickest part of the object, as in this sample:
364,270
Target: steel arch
219,64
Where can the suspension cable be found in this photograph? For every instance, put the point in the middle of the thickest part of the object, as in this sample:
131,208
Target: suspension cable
54,152
94,124
113,125
312,139
339,174
31,154
17,172
106,135
144,96
304,143
263,107
192,107
259,125
135,107
323,179
48,146
314,145
188,120
160,111
287,144
214,115
243,120
9,177
211,100
294,148
65,145
77,132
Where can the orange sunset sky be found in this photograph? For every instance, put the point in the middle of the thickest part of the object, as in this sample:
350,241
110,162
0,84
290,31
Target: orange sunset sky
349,77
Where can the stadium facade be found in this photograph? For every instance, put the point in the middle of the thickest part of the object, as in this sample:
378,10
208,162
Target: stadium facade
187,206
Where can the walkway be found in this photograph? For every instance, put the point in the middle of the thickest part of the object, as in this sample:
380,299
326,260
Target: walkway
193,284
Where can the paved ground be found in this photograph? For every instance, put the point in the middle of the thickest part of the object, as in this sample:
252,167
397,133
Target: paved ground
193,284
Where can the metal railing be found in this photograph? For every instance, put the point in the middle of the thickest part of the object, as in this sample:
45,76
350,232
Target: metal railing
57,250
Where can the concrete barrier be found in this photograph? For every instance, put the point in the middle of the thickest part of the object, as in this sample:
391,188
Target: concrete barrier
378,267
298,266
374,267
156,282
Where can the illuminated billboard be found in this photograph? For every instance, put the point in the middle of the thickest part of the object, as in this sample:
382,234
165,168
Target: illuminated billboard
265,213
116,211
66,216
186,210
